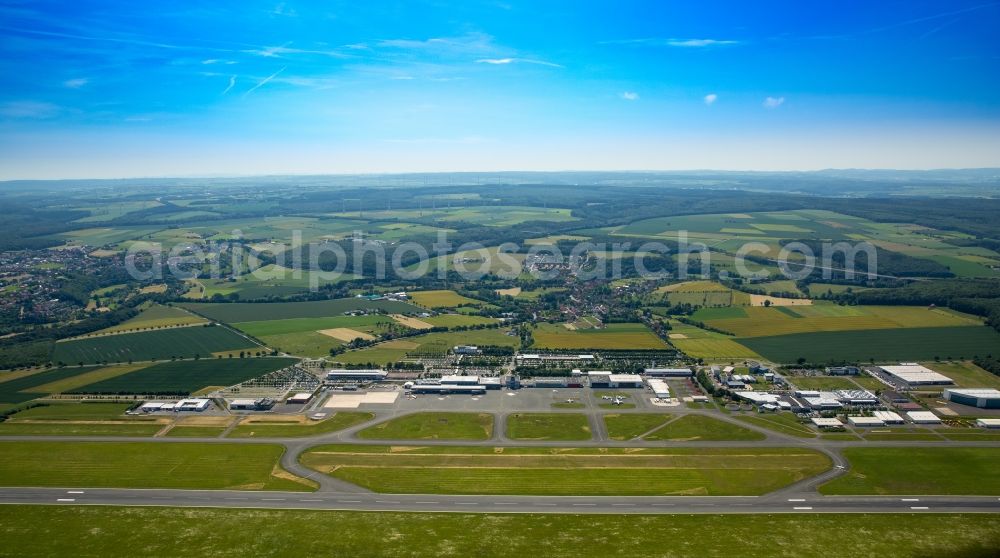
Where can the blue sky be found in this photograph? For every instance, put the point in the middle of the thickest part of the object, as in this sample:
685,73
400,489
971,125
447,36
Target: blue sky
112,89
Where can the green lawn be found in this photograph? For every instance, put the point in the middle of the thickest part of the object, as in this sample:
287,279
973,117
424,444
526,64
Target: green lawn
433,426
195,431
111,532
145,465
188,376
74,411
56,428
548,426
339,421
971,471
785,423
703,428
628,426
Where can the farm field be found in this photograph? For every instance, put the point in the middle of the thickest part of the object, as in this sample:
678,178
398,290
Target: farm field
709,345
249,312
488,259
156,316
628,426
74,411
548,426
32,386
88,377
182,342
440,299
250,428
432,426
702,428
185,377
612,336
492,215
882,345
99,531
458,320
431,343
966,374
928,471
146,465
566,471
267,281
305,337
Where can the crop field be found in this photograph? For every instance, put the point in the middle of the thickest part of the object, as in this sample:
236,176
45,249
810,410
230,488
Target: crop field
966,374
146,465
628,426
764,322
433,426
568,471
548,426
185,377
440,299
881,345
488,259
612,336
304,337
182,342
709,345
270,281
156,316
458,320
491,215
702,428
74,411
249,428
250,312
799,224
102,531
33,386
431,343
914,471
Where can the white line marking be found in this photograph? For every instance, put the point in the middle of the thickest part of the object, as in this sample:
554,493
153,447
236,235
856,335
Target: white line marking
584,504
386,502
426,502
467,503
272,499
919,507
802,508
505,503
74,492
622,504
349,501
65,499
664,505
796,499
911,499
237,498
311,500
546,504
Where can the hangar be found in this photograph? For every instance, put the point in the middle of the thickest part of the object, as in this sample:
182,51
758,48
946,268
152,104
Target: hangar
982,398
916,375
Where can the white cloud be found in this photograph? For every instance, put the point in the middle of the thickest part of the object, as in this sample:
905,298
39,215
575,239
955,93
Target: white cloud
494,60
673,42
211,61
504,61
630,96
28,109
232,83
711,98
773,102
75,83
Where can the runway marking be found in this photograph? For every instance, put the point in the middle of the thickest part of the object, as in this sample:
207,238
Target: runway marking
349,501
546,504
664,505
426,502
74,492
237,498
505,503
911,499
802,508
311,500
584,504
386,502
65,499
796,499
622,504
272,499
919,508
467,503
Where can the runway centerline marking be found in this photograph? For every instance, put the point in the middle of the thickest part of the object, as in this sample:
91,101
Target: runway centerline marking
802,508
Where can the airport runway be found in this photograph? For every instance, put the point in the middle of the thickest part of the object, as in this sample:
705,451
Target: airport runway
499,504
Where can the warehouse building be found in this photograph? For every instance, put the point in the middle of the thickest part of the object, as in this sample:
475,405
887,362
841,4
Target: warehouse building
827,422
345,375
197,405
888,417
923,417
865,422
625,380
460,380
981,398
668,372
599,379
988,423
250,404
490,383
299,398
153,406
659,387
446,389
549,382
916,375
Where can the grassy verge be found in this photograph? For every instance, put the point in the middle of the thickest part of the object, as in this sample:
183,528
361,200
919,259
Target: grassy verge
626,427
559,471
548,426
702,428
339,421
146,465
433,426
195,431
969,471
17,428
111,531
785,423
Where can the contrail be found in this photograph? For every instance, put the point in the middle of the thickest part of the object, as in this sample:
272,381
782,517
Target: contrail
264,81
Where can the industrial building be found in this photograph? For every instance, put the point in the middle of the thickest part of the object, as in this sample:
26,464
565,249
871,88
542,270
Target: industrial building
549,382
599,379
345,375
827,422
988,423
888,417
460,380
981,398
154,406
923,417
466,350
668,372
299,398
198,405
250,404
625,380
865,422
916,375
445,389
659,387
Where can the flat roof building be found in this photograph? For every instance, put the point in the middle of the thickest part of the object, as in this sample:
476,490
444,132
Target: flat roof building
827,422
889,417
988,423
152,406
192,405
659,387
916,375
668,372
343,374
865,421
625,380
981,398
445,389
299,398
923,417
460,380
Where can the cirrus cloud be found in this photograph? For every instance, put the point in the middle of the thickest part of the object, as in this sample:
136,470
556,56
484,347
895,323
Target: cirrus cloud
773,102
711,98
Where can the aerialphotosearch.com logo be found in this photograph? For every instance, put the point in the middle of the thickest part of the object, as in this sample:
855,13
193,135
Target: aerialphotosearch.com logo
328,261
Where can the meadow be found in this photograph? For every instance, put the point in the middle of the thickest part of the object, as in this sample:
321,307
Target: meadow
32,386
249,428
181,342
432,426
249,312
304,337
548,426
611,336
709,345
440,299
568,471
185,377
628,426
156,316
101,532
146,465
880,345
936,471
704,429
430,343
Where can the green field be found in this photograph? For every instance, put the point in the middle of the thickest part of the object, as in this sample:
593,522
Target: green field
703,428
339,421
104,532
709,345
182,342
883,345
966,374
27,387
457,320
548,426
188,376
156,316
195,432
611,336
74,411
567,471
301,336
432,426
628,426
914,471
785,423
431,343
67,428
249,312
440,299
146,465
